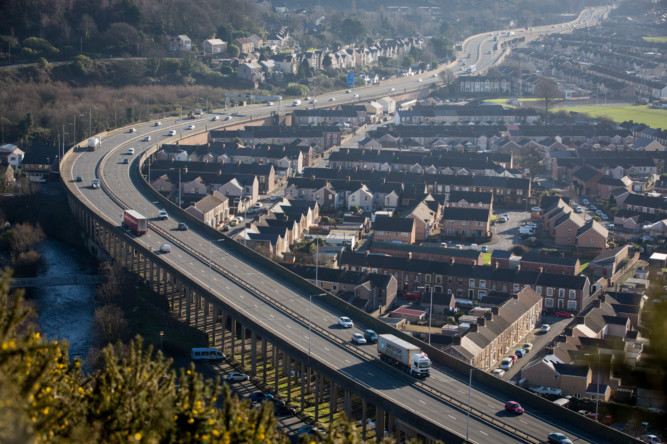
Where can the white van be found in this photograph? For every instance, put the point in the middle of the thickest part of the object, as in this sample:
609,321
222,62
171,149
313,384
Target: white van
474,247
206,354
506,364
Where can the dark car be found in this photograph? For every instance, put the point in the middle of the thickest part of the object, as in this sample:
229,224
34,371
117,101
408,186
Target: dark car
281,408
514,407
182,226
370,336
126,161
564,314
79,179
260,397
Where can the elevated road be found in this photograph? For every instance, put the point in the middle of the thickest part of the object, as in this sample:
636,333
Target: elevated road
276,304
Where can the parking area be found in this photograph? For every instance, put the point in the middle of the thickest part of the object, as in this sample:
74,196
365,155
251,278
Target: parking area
505,233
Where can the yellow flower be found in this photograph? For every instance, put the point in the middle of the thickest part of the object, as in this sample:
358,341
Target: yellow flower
137,436
191,420
215,433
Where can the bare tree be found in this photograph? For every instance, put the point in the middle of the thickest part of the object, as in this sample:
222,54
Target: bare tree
447,76
547,90
110,324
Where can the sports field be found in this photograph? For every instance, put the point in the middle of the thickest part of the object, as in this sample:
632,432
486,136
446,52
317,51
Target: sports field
662,39
655,118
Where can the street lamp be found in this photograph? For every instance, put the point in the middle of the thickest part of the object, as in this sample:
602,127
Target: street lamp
430,312
161,336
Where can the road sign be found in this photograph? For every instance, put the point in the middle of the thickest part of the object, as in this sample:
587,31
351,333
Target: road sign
350,79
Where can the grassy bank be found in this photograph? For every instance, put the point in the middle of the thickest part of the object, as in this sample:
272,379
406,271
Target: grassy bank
655,118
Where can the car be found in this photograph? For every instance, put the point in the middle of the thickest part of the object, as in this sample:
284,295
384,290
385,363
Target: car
346,322
236,377
309,430
172,133
604,216
281,408
607,420
274,198
228,118
558,438
564,314
506,363
502,219
356,96
536,209
578,209
79,179
165,248
147,139
269,103
392,89
158,123
130,151
527,347
545,328
484,248
133,130
514,407
332,99
215,118
182,226
126,161
514,358
233,222
412,295
313,101
458,246
599,212
506,216
585,202
519,352
258,204
95,183
652,439
190,127
358,338
348,91
370,336
499,372
226,227
260,397
610,227
162,215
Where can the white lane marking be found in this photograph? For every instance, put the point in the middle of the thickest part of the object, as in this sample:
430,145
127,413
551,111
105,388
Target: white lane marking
483,433
422,402
288,326
523,421
348,361
241,296
460,391
453,417
371,374
326,349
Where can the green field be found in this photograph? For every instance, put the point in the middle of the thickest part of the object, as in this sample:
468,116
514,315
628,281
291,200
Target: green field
655,118
662,39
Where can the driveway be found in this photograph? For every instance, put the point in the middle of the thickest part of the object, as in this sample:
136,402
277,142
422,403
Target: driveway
505,234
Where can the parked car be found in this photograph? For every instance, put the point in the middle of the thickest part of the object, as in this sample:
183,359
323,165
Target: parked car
485,248
499,372
370,336
514,407
260,397
527,347
578,209
519,352
358,338
506,363
412,295
652,439
604,216
592,208
545,328
258,204
536,209
564,314
585,202
514,358
182,226
558,438
310,430
345,322
236,377
281,408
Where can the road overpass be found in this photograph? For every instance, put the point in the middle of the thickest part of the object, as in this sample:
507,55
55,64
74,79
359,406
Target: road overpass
236,295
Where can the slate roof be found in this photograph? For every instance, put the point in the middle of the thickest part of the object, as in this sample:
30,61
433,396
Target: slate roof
425,248
586,173
471,197
537,257
572,369
396,224
469,214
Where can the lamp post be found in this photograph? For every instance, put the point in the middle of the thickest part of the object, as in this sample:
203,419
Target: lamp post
430,316
161,336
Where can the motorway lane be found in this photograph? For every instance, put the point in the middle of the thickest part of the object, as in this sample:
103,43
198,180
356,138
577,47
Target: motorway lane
117,177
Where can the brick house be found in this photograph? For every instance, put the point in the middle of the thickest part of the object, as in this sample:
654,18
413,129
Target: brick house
428,251
213,209
566,228
394,229
466,222
571,379
563,264
498,330
426,220
213,46
592,236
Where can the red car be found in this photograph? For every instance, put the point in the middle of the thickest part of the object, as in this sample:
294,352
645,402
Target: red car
514,358
564,314
412,295
514,407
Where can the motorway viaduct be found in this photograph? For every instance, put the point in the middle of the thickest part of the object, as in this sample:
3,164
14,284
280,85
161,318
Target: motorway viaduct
259,313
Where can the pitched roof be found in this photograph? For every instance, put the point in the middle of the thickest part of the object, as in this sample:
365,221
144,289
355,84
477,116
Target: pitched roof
469,214
396,224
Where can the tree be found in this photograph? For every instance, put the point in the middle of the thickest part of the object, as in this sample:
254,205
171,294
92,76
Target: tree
531,158
447,76
82,64
25,128
327,63
547,90
297,90
351,30
233,50
304,69
441,47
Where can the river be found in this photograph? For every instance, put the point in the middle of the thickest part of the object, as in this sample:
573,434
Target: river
66,312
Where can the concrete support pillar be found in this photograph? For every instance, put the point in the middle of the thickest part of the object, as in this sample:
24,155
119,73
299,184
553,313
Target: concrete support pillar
151,276
276,368
233,338
243,340
253,353
264,360
188,304
364,418
348,403
214,324
379,424
197,304
303,384
317,396
333,399
225,320
392,426
289,378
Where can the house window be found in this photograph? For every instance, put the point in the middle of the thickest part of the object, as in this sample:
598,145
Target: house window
516,288
481,294
561,292
374,270
572,305
404,234
572,294
417,277
592,240
550,291
482,284
380,233
333,287
427,278
438,279
449,280
538,290
471,283
464,223
549,303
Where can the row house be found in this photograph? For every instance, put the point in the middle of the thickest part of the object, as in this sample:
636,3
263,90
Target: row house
484,85
319,138
474,282
213,210
427,215
644,203
394,229
561,264
466,222
285,161
427,251
498,330
470,199
570,229
310,117
374,290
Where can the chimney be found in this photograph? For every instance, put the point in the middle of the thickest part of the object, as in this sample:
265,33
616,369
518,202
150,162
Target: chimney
473,327
474,263
596,303
456,340
518,268
579,319
480,322
494,310
540,269
488,315
409,255
451,260
602,297
515,295
497,264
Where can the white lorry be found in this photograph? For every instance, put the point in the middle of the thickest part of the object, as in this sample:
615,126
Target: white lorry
406,356
296,103
94,143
